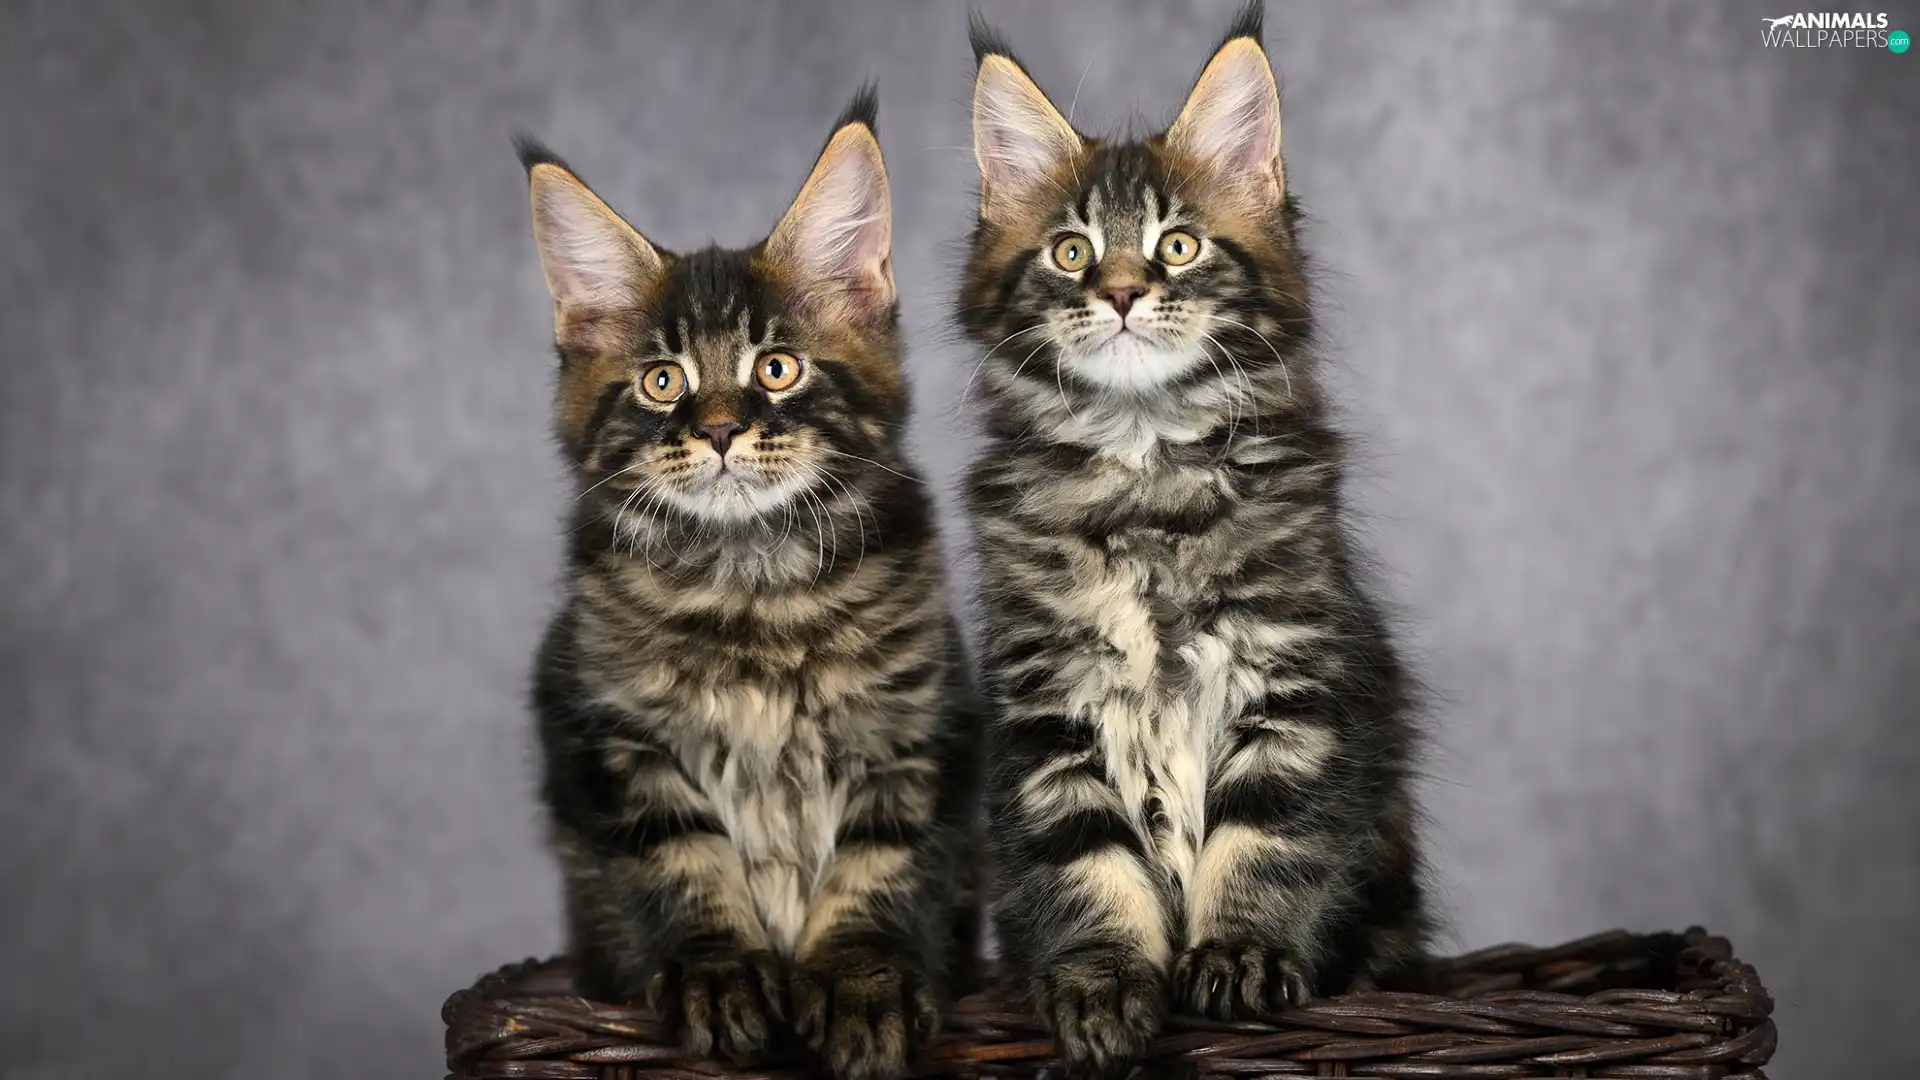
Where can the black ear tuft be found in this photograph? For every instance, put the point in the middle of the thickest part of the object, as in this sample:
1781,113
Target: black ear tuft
1250,22
863,109
533,152
986,40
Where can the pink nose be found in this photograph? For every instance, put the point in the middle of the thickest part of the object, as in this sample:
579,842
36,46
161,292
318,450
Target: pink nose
720,433
1123,296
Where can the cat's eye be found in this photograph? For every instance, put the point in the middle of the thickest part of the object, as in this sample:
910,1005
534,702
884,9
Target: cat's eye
1178,248
664,383
1072,253
776,371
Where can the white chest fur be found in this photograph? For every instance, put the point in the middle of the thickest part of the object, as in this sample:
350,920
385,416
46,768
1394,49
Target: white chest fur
771,788
762,764
1162,700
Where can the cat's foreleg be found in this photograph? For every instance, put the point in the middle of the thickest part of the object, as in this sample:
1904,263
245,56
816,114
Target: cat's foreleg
1276,875
1080,912
657,896
871,960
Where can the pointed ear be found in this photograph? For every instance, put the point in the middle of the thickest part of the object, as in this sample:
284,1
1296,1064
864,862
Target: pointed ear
1019,138
1230,124
596,264
836,239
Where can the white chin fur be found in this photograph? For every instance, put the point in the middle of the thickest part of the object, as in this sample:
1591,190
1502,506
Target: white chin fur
1132,363
735,498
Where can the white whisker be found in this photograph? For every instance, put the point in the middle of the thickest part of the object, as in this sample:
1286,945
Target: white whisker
977,368
857,457
611,476
1285,372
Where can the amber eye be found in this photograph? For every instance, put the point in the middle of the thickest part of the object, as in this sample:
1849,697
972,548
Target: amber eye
1178,248
776,371
664,383
1072,253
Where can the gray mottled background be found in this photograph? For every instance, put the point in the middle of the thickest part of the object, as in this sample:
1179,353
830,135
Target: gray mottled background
1624,306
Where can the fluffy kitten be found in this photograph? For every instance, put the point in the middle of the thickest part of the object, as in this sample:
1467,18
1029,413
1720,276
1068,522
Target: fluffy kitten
1199,787
761,758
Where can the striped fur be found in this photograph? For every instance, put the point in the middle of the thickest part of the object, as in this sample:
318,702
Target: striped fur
761,755
1200,745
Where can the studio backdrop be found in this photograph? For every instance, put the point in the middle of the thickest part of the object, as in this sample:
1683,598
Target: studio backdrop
1622,304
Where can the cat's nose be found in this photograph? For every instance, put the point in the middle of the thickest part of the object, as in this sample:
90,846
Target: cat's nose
720,433
1123,296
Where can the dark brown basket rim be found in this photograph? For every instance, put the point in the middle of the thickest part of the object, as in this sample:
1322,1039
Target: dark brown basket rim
1632,1006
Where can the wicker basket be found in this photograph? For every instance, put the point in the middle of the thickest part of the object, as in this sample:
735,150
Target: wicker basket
1645,1007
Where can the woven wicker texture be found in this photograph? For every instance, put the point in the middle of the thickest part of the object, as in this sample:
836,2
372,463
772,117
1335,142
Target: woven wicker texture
1629,1006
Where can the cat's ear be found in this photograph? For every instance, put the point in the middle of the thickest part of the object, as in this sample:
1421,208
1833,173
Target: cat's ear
1230,124
1019,139
596,264
836,239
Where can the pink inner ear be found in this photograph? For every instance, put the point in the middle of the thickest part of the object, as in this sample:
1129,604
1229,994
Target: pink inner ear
868,227
1018,135
1232,119
839,232
593,261
848,230
1247,135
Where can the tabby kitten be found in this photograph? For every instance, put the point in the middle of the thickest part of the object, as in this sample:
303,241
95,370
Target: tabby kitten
761,759
1199,787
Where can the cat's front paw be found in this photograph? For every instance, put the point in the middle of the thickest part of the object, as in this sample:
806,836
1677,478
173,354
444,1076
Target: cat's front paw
865,1011
1104,1008
1238,981
721,1004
